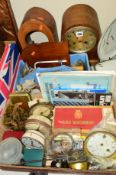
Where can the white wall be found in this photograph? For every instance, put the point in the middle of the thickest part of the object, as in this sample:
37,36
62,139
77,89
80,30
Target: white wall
106,9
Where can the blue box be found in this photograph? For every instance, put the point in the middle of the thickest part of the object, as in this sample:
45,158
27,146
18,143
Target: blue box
33,157
80,57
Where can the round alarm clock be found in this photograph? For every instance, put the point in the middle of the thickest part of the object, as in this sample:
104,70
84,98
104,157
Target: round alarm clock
100,144
33,139
45,110
39,123
80,27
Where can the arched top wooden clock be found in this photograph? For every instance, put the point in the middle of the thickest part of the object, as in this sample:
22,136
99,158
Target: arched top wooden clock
80,27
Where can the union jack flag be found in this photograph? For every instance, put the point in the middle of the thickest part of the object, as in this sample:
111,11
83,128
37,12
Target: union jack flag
9,67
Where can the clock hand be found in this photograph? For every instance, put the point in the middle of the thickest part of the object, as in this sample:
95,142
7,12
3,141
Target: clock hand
32,143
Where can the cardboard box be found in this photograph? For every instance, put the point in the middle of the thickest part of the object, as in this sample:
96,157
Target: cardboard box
84,118
83,57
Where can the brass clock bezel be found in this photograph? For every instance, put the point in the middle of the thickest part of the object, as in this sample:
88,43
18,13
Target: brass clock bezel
89,154
81,28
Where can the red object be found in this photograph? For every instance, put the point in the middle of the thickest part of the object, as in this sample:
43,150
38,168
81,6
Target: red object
9,69
84,118
16,134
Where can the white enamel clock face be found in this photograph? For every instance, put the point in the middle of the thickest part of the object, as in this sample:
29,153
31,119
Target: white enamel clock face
80,39
31,143
101,144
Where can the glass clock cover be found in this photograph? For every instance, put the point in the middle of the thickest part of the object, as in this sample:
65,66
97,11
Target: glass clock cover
10,151
62,143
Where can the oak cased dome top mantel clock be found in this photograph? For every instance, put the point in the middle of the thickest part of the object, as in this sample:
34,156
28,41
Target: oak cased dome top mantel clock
81,28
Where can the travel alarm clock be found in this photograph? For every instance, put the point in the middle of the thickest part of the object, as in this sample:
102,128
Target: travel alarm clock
80,27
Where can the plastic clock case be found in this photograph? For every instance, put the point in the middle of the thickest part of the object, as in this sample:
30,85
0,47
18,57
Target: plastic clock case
107,49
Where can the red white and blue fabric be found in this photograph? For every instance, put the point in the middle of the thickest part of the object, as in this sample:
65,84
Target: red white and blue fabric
9,65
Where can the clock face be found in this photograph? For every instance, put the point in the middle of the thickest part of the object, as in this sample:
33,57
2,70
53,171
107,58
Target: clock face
101,144
80,39
31,143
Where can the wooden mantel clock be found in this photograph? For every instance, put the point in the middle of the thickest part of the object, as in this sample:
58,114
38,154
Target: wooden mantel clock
80,27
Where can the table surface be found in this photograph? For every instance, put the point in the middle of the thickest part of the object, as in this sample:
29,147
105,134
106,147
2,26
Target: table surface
46,170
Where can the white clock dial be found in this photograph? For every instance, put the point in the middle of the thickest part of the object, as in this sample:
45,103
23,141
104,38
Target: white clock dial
101,144
31,143
33,139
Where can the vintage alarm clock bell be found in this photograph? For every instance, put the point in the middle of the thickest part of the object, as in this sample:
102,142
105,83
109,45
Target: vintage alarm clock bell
80,27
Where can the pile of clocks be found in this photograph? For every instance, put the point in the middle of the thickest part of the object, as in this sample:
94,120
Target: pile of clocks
98,151
38,126
80,28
